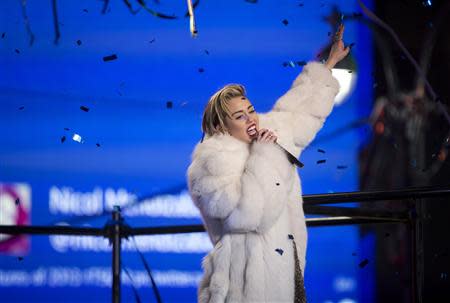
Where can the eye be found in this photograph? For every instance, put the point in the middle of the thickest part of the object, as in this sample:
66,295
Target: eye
239,117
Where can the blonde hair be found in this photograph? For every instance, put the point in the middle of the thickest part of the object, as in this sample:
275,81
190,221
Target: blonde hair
216,110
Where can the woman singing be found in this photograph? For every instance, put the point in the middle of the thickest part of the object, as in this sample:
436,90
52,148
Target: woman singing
249,193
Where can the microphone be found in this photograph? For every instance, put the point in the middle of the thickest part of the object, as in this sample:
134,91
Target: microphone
291,157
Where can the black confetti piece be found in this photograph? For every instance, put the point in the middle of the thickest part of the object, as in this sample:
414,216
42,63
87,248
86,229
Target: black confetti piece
97,144
201,70
17,51
301,4
280,251
63,138
169,104
55,22
301,63
66,128
78,42
3,35
153,40
285,22
155,13
84,108
321,161
350,71
329,34
17,201
363,263
206,52
21,108
341,166
354,254
320,151
277,184
110,58
252,1
20,258
85,10
291,237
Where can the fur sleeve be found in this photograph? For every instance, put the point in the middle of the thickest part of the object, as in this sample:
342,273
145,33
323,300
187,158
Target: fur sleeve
310,100
240,198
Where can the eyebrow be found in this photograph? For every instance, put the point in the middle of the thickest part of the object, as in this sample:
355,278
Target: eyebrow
240,111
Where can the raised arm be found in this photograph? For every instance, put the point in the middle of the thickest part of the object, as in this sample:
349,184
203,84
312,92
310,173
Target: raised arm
311,97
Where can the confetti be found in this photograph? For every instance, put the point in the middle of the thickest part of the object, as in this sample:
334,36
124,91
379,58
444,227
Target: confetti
354,254
206,51
285,22
252,1
341,166
201,70
85,10
77,138
17,51
277,184
63,138
153,40
110,58
350,71
3,35
301,63
84,108
301,4
169,104
17,201
320,151
321,161
21,108
363,263
20,258
79,42
291,237
98,144
66,128
280,251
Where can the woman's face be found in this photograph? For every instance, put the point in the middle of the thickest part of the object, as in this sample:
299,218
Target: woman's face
243,123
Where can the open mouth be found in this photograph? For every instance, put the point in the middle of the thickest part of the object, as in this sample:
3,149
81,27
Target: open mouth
251,130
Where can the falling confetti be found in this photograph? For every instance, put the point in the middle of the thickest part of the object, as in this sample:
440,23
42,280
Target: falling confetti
85,10
20,258
291,237
363,263
84,108
17,51
77,138
354,254
280,251
252,1
169,104
341,166
320,151
3,35
63,138
97,144
201,70
151,41
206,52
285,22
78,42
321,161
277,184
17,201
21,108
110,58
66,128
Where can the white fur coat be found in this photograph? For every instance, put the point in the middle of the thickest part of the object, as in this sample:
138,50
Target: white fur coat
249,196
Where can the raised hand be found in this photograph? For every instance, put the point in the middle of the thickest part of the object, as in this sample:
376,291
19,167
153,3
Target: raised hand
338,51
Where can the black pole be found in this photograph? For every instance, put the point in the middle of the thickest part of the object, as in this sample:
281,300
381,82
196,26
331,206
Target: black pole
116,242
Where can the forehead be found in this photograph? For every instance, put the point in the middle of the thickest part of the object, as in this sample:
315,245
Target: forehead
238,103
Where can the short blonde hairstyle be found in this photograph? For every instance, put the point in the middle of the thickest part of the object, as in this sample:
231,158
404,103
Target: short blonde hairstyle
217,109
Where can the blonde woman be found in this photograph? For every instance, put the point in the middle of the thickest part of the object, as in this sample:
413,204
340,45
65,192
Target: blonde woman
249,193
